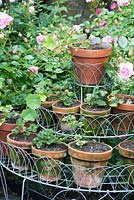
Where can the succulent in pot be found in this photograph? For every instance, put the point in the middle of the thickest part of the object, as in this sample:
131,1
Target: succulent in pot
49,150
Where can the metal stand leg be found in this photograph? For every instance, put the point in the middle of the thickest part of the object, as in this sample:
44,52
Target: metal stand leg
23,189
3,181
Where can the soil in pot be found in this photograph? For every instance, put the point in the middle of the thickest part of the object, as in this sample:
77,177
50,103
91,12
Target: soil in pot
88,163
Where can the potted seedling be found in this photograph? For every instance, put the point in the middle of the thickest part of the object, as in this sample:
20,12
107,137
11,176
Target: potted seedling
8,119
49,150
20,140
95,110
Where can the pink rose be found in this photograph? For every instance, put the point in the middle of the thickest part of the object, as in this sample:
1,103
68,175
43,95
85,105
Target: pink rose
40,39
5,20
126,70
33,69
98,11
55,37
12,1
123,2
31,9
113,6
107,39
103,23
25,40
115,41
14,50
77,28
89,1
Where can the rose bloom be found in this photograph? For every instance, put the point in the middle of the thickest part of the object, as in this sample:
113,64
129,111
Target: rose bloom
2,35
113,6
107,39
98,11
12,1
126,70
123,2
89,1
5,20
31,9
40,39
33,69
103,23
31,1
25,40
77,28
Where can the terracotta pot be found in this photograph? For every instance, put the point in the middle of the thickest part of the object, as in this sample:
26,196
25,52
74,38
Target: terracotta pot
61,112
5,129
88,167
48,104
49,168
20,158
90,64
123,118
66,110
95,121
128,158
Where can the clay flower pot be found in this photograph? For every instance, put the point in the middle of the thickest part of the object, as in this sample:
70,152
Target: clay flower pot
123,118
20,159
61,112
48,167
90,64
95,120
88,167
126,149
5,129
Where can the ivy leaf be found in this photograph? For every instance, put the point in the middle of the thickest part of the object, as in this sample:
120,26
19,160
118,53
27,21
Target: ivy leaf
33,101
123,42
29,114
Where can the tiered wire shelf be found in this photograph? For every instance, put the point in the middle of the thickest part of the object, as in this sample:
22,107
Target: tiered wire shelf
116,182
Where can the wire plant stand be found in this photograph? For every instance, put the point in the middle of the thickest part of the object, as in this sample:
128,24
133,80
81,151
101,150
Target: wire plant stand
116,182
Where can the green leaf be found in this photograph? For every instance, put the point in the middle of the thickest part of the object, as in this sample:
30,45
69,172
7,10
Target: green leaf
50,43
43,97
29,57
33,101
29,114
15,63
132,41
123,42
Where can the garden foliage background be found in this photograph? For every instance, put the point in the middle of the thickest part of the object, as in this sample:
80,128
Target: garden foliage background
35,39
